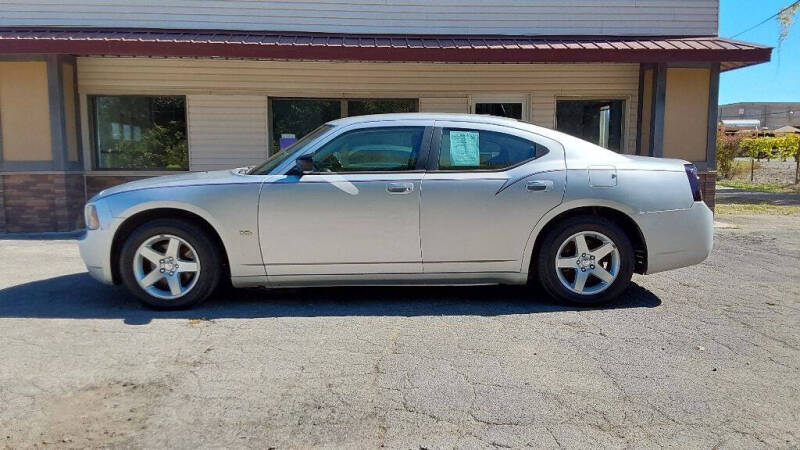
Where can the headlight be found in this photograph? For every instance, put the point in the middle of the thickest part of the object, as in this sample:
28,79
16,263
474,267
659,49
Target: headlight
90,213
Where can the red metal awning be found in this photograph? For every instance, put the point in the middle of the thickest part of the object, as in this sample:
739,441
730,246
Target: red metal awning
729,53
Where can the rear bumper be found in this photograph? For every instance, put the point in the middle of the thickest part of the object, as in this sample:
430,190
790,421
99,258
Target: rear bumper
678,238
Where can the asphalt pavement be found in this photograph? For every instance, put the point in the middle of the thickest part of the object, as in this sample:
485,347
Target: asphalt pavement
701,357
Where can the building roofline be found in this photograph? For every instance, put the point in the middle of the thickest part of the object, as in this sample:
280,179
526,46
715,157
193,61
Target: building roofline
373,47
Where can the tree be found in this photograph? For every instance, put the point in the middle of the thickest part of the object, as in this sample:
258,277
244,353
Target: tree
786,19
757,148
789,147
160,147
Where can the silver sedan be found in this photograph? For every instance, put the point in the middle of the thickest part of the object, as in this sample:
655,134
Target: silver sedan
405,199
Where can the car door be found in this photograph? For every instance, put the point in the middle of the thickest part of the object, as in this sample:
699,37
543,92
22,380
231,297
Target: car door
356,213
489,187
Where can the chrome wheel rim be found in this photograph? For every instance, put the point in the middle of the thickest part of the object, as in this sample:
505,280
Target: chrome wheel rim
166,267
587,263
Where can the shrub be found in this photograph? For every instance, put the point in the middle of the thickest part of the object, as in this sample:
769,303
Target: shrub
727,150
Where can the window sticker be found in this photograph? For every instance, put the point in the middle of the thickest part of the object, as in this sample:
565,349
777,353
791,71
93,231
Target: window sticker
464,148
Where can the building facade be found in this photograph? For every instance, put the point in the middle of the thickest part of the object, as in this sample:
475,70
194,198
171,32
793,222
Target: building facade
770,115
95,93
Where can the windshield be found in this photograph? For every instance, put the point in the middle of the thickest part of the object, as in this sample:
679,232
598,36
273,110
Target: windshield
278,158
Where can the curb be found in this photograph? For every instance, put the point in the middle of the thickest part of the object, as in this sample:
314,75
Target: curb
49,235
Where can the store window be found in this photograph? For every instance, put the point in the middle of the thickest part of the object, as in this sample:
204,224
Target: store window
597,121
293,118
135,132
510,110
380,106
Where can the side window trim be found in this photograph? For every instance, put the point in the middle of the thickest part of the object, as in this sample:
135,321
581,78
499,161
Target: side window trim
422,156
438,133
432,163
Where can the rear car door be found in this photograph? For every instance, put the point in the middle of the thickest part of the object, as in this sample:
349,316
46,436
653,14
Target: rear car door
356,213
486,188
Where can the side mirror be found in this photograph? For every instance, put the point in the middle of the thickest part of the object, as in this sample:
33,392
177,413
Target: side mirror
303,165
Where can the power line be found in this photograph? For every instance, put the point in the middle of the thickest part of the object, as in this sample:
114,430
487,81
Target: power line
767,19
782,112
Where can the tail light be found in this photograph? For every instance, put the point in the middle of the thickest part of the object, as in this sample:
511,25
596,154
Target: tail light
694,182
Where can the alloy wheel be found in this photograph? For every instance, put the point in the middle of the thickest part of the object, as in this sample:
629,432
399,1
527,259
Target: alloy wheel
166,266
587,263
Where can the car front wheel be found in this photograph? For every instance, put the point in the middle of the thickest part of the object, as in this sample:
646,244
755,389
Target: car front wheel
170,264
586,261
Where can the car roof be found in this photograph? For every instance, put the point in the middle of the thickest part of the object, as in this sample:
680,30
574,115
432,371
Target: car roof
473,118
562,138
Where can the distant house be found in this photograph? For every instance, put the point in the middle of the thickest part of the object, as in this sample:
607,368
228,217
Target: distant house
95,93
787,130
771,115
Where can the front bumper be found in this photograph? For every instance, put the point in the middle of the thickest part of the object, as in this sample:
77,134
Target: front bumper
95,247
678,238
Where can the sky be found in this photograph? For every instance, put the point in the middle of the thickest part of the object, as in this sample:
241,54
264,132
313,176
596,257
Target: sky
776,81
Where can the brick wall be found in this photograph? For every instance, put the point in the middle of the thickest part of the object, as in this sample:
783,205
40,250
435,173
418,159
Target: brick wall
96,183
708,184
42,202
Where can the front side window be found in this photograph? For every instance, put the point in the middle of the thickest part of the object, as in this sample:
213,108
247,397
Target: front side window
136,132
596,121
371,150
465,149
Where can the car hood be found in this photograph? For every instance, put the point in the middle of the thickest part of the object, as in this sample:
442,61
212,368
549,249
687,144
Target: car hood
186,179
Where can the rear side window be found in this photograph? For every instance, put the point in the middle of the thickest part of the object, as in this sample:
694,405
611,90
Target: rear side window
465,149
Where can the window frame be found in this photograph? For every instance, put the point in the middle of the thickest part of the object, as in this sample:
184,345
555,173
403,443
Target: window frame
523,99
436,145
91,122
626,114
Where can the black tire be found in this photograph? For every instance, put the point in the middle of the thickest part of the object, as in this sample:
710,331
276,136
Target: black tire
208,277
545,260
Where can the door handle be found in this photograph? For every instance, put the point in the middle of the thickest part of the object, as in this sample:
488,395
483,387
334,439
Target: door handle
399,188
539,185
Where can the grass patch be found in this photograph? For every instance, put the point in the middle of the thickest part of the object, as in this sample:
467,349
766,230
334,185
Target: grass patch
761,187
764,208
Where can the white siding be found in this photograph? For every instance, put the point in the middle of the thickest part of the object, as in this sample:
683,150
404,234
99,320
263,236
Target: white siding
221,85
554,17
226,131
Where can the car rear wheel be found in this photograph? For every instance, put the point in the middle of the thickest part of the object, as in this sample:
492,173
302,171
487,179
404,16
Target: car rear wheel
586,261
170,264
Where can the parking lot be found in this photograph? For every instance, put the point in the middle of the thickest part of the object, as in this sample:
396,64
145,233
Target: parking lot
701,357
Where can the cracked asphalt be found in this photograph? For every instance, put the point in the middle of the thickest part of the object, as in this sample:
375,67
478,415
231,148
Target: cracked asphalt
696,358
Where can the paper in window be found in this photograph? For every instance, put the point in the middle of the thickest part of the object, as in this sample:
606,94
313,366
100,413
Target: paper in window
464,148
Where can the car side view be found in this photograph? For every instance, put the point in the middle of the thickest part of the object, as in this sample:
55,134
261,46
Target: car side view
411,199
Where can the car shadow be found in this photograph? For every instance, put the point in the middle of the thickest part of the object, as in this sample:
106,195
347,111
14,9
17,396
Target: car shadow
78,296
